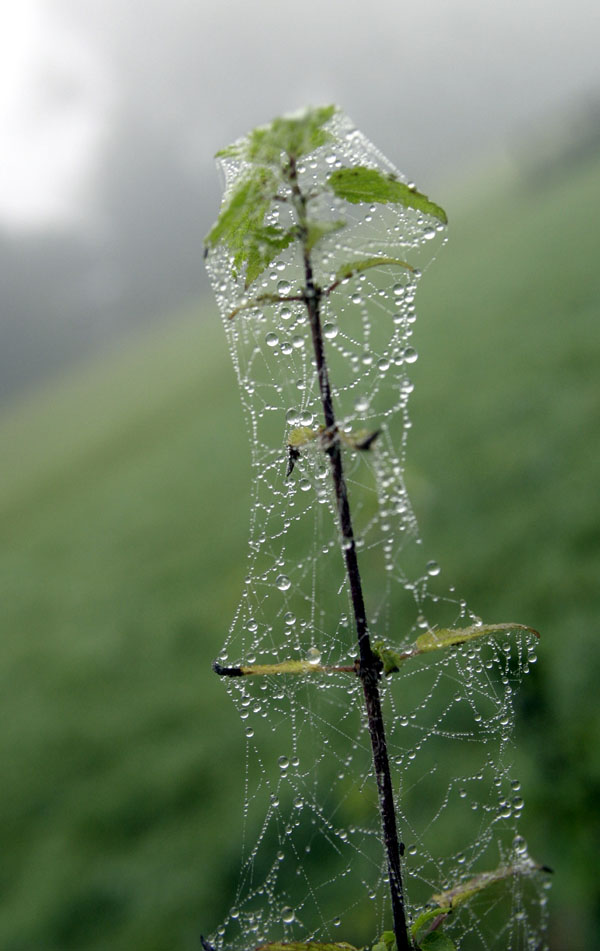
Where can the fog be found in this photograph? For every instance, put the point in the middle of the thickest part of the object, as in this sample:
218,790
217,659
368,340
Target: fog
110,114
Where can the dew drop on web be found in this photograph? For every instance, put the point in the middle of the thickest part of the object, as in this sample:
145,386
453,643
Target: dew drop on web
303,871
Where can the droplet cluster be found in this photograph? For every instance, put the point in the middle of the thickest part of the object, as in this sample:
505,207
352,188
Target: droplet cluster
311,852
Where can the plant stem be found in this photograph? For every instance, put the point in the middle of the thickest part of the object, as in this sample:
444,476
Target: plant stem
369,669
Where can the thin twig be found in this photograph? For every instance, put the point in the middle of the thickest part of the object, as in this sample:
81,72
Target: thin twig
370,665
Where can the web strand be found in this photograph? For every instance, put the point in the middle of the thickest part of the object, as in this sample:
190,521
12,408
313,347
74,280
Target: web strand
313,865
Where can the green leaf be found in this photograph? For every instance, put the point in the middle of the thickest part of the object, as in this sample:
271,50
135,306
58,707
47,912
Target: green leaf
392,660
284,667
437,941
346,271
231,151
387,942
320,229
423,924
306,946
263,247
294,135
434,640
245,210
451,898
301,436
240,225
438,639
369,185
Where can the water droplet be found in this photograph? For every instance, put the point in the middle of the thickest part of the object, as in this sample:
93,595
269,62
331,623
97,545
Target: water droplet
313,655
287,915
283,582
272,339
330,331
519,845
432,568
410,355
249,732
283,762
284,287
289,619
361,405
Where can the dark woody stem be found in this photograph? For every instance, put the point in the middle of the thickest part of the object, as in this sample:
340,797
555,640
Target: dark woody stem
369,668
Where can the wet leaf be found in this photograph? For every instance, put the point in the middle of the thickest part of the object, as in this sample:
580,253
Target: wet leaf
241,228
370,185
426,922
301,436
245,209
387,942
264,246
438,639
434,640
285,667
437,941
293,135
356,267
392,660
453,897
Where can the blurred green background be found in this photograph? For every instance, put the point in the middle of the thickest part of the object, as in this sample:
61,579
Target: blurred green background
124,506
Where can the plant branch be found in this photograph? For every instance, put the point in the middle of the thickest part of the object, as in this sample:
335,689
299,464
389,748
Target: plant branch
370,666
285,667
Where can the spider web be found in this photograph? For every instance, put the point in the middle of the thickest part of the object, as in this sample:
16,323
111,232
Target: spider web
312,862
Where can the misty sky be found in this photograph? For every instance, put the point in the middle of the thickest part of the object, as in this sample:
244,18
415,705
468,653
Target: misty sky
437,84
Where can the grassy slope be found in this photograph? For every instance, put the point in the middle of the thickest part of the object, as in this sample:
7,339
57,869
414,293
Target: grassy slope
113,497
123,514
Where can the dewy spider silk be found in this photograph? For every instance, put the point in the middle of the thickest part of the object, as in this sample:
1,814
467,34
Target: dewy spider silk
315,260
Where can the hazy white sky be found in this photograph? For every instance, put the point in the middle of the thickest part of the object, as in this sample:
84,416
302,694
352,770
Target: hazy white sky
54,105
436,83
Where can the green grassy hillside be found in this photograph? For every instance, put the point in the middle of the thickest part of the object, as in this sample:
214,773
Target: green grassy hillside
124,495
